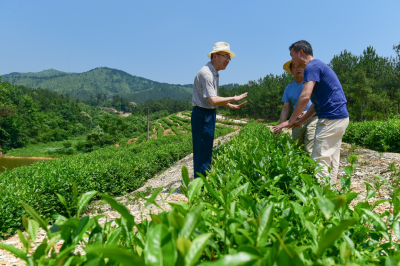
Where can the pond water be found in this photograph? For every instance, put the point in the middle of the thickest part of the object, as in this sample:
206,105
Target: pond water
11,163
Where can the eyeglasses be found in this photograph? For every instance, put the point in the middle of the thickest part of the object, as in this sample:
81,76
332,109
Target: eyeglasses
226,56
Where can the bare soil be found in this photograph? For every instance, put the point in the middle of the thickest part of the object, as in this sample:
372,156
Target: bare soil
168,132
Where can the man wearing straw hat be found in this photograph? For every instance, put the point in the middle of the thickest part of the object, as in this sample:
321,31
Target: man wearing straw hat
205,101
304,134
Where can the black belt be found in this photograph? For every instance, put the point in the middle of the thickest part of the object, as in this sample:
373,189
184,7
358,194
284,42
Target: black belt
204,108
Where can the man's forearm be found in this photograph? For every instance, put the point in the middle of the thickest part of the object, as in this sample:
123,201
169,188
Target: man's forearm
284,115
220,101
310,113
300,106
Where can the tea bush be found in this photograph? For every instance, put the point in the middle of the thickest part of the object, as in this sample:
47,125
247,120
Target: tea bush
182,122
260,205
112,170
376,135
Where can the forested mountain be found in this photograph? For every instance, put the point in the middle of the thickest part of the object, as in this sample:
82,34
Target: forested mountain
102,80
370,82
30,116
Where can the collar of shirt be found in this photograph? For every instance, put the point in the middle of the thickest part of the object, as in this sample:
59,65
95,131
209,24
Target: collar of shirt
212,68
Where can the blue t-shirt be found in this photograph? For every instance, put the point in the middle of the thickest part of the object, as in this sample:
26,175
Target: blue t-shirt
327,96
292,94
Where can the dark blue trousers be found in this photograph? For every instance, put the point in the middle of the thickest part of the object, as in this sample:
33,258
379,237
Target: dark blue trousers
203,128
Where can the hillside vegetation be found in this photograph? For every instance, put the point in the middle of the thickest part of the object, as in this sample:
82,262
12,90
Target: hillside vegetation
105,81
32,116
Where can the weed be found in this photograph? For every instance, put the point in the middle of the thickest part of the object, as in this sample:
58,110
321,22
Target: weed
395,175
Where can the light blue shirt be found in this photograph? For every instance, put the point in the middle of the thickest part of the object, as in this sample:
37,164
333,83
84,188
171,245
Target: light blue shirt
292,94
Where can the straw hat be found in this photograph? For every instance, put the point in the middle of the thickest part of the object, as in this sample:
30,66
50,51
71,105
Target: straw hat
221,47
286,66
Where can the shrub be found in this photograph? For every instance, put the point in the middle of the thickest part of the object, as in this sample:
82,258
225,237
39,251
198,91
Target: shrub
67,144
376,135
80,145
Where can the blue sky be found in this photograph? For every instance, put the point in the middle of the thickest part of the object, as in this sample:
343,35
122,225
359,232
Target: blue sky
168,41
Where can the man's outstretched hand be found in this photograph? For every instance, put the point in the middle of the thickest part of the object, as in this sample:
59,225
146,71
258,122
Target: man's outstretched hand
281,126
235,106
237,98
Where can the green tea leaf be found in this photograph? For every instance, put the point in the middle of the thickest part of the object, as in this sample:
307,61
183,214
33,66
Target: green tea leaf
211,191
35,216
376,218
352,159
196,249
33,229
237,192
185,177
326,206
340,201
152,199
194,188
18,253
64,253
396,202
114,238
119,255
183,190
266,219
183,245
300,195
83,201
307,179
383,179
396,229
22,238
240,258
235,180
350,196
160,247
176,220
390,262
63,201
348,170
82,228
119,208
181,207
332,235
376,203
370,191
191,221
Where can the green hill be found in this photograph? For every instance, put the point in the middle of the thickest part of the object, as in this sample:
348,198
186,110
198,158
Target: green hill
103,80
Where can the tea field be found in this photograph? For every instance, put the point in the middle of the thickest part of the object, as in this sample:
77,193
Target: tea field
112,170
260,205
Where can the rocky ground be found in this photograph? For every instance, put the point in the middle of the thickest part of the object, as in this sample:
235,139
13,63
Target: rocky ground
370,163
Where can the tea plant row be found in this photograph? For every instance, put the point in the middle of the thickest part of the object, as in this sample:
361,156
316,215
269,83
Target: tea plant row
376,135
113,170
260,205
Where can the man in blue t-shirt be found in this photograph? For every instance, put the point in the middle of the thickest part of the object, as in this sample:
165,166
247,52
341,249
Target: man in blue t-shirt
322,85
304,134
